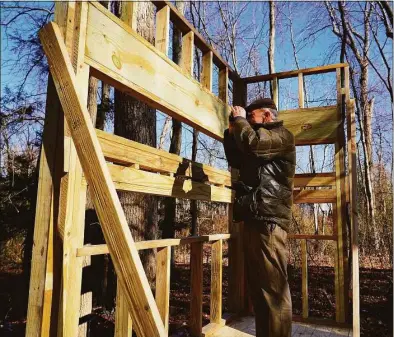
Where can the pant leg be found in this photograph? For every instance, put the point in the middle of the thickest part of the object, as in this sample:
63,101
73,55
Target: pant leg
266,272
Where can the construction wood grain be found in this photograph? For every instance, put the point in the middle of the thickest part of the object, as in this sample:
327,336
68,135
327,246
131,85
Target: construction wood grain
223,85
314,179
196,269
121,150
206,72
314,196
163,265
216,281
123,322
130,179
163,29
128,62
304,263
310,126
127,263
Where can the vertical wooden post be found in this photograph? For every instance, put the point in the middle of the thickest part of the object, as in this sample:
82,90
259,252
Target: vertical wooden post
301,90
352,166
196,270
206,71
340,206
216,281
128,13
123,323
187,52
304,257
223,84
162,29
163,264
86,303
237,284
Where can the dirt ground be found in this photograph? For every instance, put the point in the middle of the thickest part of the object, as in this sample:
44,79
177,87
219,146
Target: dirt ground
376,288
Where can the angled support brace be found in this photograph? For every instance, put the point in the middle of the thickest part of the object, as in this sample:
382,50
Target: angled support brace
124,254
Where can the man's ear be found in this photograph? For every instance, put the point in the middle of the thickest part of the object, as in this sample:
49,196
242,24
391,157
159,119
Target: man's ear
266,114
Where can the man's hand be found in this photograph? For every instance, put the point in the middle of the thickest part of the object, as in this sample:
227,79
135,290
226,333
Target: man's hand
238,111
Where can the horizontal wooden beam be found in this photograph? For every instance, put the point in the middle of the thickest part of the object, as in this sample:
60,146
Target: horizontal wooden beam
312,237
124,151
89,250
121,57
311,126
314,196
314,179
135,180
294,73
185,26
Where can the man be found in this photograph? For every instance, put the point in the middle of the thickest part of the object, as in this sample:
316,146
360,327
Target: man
264,152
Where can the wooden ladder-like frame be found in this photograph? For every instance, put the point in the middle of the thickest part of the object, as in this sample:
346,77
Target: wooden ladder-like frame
88,40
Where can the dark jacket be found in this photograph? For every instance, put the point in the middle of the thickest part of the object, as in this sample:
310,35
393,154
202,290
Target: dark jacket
265,156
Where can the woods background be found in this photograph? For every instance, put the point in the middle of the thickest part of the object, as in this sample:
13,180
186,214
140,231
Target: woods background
254,38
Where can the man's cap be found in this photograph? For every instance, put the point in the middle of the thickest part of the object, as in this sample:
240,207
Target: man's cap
261,103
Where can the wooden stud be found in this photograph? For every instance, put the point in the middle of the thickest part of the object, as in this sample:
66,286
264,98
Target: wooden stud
86,303
206,72
187,52
216,281
314,196
301,90
196,269
123,322
340,205
352,166
163,265
127,263
223,84
129,13
304,257
163,29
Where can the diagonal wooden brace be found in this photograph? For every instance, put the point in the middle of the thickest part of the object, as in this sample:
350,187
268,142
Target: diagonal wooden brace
141,304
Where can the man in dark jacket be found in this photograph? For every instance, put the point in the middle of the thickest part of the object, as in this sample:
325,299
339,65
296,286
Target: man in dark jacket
264,152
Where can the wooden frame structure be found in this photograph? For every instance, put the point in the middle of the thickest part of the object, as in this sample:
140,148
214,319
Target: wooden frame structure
88,40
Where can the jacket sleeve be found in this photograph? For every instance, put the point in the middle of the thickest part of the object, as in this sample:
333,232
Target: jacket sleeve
257,143
231,150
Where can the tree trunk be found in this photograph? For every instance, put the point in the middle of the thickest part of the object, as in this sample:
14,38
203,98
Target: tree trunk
271,47
137,121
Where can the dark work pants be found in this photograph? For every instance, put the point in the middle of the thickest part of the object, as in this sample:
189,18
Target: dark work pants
266,272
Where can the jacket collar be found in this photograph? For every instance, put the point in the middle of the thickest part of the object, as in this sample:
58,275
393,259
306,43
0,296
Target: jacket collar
268,126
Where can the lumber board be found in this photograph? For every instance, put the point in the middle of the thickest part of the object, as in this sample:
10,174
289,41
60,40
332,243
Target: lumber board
185,26
131,179
314,179
311,126
216,281
124,151
196,270
352,166
223,85
304,260
129,13
163,266
294,73
162,37
123,322
89,250
121,245
312,237
206,71
314,196
123,59
187,55
73,197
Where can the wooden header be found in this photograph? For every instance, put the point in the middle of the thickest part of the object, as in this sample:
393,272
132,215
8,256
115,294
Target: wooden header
294,73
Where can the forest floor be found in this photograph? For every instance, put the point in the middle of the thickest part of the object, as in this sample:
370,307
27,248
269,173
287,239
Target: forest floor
376,289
